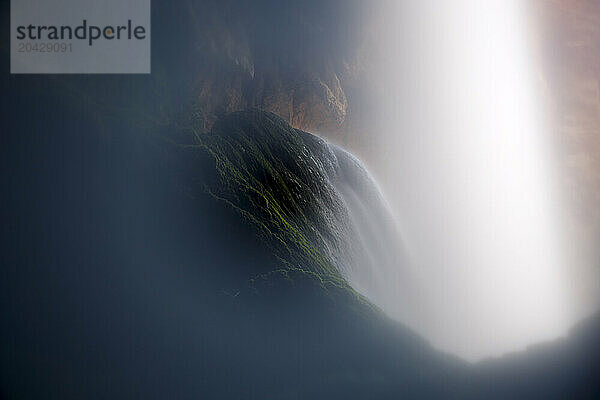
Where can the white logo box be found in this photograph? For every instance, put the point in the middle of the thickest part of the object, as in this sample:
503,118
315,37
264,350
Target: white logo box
80,37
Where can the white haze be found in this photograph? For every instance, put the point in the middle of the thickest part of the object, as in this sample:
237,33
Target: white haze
468,171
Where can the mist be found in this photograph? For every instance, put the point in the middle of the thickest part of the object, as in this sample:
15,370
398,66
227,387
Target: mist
466,163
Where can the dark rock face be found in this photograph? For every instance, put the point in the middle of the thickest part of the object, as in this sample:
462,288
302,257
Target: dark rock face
313,204
313,103
289,59
278,180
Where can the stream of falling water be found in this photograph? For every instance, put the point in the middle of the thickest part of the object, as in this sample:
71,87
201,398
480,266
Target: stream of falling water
469,175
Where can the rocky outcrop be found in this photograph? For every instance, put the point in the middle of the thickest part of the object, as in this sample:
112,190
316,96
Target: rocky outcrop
313,204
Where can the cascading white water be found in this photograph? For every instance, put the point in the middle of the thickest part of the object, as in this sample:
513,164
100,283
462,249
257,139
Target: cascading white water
376,265
469,174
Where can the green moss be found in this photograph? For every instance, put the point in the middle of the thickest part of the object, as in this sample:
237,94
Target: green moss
275,178
265,173
254,180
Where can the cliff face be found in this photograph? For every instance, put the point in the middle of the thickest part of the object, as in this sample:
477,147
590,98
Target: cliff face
570,47
289,59
310,102
569,40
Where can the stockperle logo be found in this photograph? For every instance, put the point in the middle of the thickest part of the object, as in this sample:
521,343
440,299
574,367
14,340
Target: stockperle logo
80,36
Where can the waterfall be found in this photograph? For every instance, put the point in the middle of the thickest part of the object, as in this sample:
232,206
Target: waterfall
468,167
373,259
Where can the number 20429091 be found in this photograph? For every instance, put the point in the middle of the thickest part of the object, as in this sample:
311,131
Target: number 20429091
45,47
